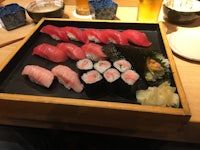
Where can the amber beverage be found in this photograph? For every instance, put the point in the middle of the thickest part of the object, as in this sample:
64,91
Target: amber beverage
149,10
82,7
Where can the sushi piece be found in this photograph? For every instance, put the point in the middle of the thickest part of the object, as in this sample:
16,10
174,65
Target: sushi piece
55,32
73,51
102,65
111,75
115,37
67,77
50,52
136,37
93,51
157,69
84,65
96,35
38,75
130,77
75,34
94,84
126,87
122,65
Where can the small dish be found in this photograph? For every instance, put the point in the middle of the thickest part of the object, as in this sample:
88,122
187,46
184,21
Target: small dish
190,49
45,8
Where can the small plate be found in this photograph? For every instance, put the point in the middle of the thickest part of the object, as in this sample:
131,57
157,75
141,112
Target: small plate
186,44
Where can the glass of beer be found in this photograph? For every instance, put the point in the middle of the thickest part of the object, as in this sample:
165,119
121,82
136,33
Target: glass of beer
149,10
82,7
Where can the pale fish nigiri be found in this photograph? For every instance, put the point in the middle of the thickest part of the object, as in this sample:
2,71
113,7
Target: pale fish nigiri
39,75
75,34
55,32
93,51
50,52
67,77
137,37
73,51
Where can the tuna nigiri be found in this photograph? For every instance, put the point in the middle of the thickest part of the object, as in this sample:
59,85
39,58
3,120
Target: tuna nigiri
55,32
93,51
96,36
50,52
115,36
137,37
67,77
38,75
75,34
72,50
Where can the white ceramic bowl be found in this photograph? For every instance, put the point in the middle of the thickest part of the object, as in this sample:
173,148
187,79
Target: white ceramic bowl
181,11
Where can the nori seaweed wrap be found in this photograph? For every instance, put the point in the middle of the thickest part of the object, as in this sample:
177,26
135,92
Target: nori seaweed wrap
94,84
126,86
84,65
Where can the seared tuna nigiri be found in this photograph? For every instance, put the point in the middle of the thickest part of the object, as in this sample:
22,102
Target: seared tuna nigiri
93,51
67,77
72,50
115,36
75,34
39,75
137,37
50,52
96,36
55,32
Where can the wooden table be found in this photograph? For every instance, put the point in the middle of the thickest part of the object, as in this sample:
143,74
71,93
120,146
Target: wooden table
189,71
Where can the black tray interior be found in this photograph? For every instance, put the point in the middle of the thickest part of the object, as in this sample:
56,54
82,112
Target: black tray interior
11,80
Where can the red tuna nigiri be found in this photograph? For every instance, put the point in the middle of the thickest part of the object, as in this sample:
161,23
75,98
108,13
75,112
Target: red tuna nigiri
68,78
115,36
50,52
39,75
75,34
96,36
55,32
72,50
137,37
93,51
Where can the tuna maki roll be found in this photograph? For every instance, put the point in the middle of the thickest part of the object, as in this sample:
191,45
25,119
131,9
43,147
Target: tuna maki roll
111,76
94,84
102,65
122,65
127,85
84,65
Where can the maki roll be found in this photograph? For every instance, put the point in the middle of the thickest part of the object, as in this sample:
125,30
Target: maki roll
102,65
126,87
84,65
94,84
130,77
111,76
122,65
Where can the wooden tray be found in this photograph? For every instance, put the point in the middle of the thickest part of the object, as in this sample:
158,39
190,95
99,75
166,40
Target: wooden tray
29,104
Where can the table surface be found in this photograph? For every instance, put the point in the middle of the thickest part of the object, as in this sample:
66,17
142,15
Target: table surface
189,71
